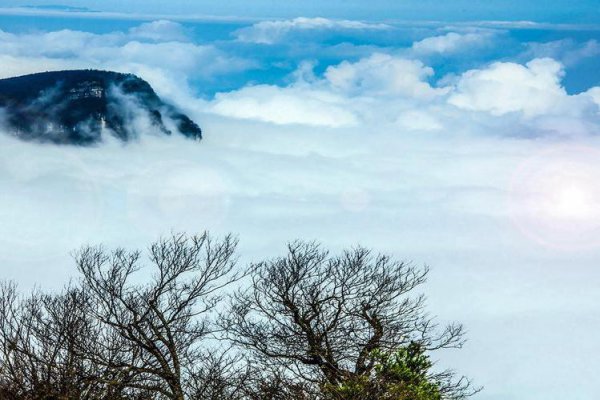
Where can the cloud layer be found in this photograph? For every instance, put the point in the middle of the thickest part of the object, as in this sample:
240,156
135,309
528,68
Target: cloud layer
382,89
270,32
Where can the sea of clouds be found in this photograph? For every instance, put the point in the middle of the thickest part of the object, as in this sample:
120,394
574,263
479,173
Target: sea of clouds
489,173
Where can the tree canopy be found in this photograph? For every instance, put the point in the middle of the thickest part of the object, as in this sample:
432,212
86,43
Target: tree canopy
188,322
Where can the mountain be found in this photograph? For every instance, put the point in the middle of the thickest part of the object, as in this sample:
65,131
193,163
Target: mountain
80,107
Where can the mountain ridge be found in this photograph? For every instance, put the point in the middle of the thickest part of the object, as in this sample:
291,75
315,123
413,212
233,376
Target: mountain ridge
80,107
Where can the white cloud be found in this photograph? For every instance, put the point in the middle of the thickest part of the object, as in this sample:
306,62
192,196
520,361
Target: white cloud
383,75
344,95
381,89
161,30
530,25
294,105
594,93
269,32
567,51
452,42
504,87
22,65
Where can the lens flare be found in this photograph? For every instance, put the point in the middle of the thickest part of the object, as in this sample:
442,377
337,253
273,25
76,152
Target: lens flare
570,201
555,198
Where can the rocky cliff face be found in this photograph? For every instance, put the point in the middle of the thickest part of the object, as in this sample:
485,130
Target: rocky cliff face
81,107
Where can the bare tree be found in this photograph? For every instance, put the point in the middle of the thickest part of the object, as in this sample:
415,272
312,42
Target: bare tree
39,340
321,317
160,324
306,326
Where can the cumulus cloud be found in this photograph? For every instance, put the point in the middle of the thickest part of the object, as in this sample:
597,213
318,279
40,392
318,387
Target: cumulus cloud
533,88
295,105
383,75
344,95
500,98
269,32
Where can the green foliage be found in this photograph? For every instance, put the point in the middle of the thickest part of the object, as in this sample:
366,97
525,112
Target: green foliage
402,375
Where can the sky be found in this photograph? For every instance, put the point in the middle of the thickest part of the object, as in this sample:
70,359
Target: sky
580,11
466,138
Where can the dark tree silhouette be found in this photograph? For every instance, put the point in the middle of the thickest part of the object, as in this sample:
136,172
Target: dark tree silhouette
40,338
323,317
162,322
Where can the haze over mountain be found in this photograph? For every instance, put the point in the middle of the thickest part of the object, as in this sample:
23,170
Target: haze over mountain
80,107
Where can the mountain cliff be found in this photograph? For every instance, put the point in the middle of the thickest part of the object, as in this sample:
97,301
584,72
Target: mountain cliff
80,107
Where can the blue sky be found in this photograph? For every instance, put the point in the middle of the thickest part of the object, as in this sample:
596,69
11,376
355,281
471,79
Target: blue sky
463,136
535,10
